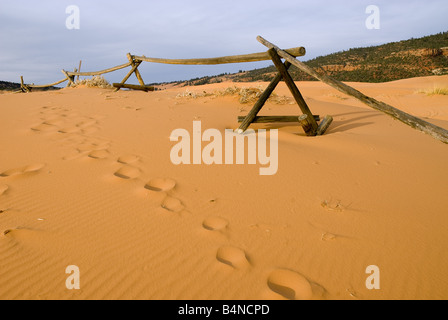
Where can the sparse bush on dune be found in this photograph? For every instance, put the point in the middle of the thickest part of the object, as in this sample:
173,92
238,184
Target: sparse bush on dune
246,95
193,95
434,91
94,82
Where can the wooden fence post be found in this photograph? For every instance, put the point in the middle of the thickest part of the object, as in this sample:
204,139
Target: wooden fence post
324,125
137,73
294,90
261,101
23,87
79,69
307,126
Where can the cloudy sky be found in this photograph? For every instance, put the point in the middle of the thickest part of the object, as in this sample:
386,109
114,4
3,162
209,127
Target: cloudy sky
36,43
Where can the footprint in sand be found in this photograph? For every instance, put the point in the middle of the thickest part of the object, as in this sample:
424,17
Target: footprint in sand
73,129
86,123
33,168
100,145
294,286
3,189
28,237
92,145
85,147
215,224
54,121
172,204
69,115
11,172
328,237
128,159
22,170
127,172
99,154
97,117
160,184
43,127
234,257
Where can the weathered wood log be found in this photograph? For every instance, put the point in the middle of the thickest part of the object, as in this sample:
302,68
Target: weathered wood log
293,88
71,75
324,125
23,87
261,101
297,52
137,73
70,82
79,69
97,73
49,85
133,87
412,121
306,124
271,119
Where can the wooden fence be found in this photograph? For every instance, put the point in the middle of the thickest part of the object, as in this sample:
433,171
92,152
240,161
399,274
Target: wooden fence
307,120
70,77
135,61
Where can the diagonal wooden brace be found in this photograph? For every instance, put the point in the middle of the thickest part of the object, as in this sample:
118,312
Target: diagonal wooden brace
134,67
69,78
137,73
261,101
294,90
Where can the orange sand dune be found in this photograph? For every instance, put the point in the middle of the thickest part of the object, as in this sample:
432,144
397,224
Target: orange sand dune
86,179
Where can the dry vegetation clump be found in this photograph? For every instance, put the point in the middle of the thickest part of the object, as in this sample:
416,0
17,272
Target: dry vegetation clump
94,82
193,95
434,91
245,95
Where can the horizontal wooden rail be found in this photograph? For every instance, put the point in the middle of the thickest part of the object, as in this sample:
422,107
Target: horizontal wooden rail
270,119
47,85
297,52
96,73
134,61
133,87
85,74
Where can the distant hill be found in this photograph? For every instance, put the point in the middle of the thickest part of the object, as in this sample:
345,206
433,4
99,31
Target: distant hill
8,86
388,62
